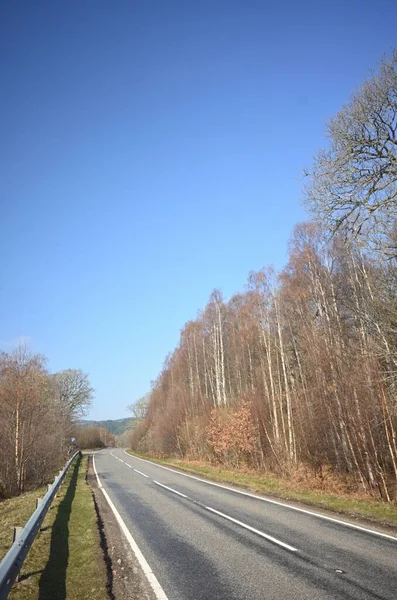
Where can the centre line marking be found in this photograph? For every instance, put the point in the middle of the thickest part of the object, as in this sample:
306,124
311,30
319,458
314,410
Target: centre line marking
240,523
270,501
168,488
140,473
261,533
266,536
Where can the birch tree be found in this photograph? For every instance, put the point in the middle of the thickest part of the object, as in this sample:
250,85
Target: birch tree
354,184
74,392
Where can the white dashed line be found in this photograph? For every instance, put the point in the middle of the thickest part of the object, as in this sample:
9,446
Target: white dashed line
261,533
217,512
140,473
240,523
269,501
168,488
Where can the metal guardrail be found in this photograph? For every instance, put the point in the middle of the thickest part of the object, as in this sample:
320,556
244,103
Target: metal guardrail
24,537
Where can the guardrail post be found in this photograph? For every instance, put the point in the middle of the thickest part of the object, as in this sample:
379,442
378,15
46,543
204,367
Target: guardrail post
11,564
16,534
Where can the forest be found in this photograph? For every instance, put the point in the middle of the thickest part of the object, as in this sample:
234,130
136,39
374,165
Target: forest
38,410
298,372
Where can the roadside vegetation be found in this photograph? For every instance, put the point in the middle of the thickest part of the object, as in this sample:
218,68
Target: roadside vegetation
294,380
66,560
92,437
37,413
14,512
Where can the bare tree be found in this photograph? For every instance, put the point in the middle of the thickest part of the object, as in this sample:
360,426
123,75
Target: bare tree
306,360
33,430
74,392
93,437
23,382
354,184
139,408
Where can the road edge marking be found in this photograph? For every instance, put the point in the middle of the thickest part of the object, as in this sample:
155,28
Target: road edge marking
151,577
276,502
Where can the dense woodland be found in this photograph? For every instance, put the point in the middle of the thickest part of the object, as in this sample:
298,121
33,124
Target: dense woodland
38,410
298,373
93,437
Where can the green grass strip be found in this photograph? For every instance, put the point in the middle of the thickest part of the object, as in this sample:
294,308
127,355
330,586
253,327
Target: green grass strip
65,561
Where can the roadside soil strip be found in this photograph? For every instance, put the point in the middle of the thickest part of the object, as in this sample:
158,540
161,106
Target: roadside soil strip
125,575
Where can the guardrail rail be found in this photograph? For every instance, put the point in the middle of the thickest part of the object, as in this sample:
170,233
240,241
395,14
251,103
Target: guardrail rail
24,537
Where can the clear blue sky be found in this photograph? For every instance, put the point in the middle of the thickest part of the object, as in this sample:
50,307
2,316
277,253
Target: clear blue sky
152,151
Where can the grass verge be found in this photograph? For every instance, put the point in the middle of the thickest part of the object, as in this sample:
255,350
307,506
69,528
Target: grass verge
14,513
66,561
352,505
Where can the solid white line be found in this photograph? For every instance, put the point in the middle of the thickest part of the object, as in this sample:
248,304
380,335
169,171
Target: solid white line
276,502
151,577
140,473
261,533
168,488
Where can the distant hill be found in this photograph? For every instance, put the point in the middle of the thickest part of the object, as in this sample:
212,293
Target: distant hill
115,426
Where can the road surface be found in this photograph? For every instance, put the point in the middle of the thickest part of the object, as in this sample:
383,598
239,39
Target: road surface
206,542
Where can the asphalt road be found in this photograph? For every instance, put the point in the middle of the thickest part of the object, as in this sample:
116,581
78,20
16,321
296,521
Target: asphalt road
206,542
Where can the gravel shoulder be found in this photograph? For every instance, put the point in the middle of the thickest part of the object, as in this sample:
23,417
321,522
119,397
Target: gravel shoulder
126,580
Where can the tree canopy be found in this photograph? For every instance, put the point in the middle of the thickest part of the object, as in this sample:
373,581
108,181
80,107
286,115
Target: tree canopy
353,184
